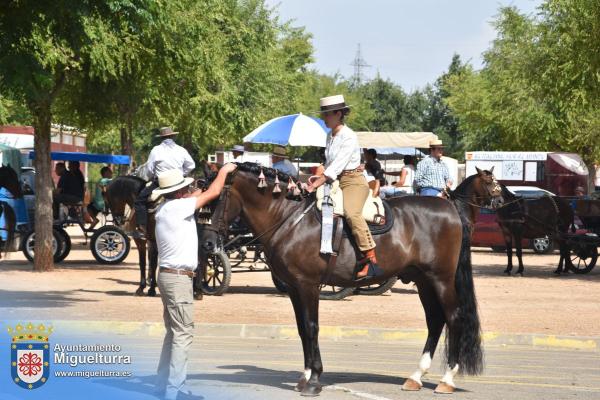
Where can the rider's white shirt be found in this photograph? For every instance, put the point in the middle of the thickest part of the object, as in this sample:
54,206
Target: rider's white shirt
169,155
176,235
342,152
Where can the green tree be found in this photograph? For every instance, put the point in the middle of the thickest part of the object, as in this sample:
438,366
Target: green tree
43,45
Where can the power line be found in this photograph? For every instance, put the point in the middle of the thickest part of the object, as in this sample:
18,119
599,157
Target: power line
359,64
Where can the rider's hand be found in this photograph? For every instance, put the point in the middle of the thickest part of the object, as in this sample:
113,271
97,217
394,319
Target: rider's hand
313,178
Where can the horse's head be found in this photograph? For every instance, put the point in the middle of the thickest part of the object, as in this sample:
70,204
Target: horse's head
249,187
487,188
10,180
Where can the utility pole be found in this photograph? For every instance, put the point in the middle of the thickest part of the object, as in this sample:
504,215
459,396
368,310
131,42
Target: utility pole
359,64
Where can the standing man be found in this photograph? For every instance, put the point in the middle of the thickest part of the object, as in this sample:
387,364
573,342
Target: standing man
281,162
432,176
166,156
177,243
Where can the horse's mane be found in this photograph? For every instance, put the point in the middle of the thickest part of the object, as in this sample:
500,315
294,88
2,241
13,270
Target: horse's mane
461,189
126,181
270,173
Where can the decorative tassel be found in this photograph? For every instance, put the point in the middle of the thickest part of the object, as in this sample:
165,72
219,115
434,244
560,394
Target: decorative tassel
276,189
291,186
261,180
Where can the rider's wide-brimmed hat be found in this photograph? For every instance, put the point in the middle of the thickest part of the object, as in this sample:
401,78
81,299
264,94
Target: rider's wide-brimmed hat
166,131
333,103
170,181
280,151
239,148
436,143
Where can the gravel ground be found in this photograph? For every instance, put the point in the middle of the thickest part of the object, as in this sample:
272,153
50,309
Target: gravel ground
79,288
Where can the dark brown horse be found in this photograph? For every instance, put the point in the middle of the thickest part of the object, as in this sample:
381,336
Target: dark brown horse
533,218
120,195
10,181
428,245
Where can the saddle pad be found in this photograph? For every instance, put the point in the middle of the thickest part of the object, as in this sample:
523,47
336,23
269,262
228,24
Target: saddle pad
375,229
373,205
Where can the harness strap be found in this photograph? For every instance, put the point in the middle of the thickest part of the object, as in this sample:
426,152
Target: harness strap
337,243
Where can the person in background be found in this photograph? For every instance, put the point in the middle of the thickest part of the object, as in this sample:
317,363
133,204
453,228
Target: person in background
405,183
238,152
282,163
73,168
373,166
98,205
432,177
69,189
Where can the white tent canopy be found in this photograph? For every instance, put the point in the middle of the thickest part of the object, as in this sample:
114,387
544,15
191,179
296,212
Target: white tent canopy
376,140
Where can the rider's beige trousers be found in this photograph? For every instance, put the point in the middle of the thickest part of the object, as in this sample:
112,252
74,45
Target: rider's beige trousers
356,191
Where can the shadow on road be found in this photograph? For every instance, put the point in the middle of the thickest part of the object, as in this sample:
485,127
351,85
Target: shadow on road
46,299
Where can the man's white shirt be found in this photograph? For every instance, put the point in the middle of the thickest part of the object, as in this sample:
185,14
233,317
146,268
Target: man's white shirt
169,155
176,235
342,152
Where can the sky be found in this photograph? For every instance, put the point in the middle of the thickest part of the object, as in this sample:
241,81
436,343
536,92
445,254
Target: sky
410,42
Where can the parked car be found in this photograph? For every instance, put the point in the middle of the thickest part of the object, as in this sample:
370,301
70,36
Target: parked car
487,232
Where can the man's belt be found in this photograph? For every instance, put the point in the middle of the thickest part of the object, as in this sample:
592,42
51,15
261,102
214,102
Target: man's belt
350,171
178,271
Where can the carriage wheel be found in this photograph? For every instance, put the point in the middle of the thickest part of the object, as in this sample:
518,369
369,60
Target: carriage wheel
59,245
217,274
330,292
377,289
66,248
110,245
237,255
582,258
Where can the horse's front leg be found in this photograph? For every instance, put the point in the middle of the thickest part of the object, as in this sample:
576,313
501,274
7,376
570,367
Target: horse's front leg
305,300
153,259
562,262
519,251
508,242
141,247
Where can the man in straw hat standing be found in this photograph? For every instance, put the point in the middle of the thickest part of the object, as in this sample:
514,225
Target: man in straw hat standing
282,163
432,176
163,157
177,243
342,154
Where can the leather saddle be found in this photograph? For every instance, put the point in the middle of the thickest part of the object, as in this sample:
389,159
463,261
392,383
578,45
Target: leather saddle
373,210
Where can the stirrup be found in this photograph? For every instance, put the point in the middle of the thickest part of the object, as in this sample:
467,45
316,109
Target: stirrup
373,271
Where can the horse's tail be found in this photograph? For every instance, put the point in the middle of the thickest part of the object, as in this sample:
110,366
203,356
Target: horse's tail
11,222
463,343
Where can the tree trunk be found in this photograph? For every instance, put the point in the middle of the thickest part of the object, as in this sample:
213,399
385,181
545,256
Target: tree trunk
124,149
43,260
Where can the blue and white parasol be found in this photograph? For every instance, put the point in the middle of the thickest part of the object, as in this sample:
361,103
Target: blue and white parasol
290,130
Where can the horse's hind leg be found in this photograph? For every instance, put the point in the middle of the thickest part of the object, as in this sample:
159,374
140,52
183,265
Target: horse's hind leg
508,242
141,247
562,262
434,315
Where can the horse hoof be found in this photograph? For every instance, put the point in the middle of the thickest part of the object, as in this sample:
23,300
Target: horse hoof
410,385
301,384
507,273
444,388
311,390
152,292
139,292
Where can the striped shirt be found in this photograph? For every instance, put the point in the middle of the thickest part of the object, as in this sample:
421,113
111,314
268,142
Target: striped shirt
432,173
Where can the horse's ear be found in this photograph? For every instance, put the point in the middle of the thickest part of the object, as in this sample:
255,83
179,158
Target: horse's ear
492,169
479,172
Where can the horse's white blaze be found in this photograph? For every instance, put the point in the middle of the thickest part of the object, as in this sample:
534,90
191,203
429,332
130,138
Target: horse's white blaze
307,374
448,377
424,365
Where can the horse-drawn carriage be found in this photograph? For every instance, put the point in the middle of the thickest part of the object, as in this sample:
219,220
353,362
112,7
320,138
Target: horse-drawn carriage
583,247
109,244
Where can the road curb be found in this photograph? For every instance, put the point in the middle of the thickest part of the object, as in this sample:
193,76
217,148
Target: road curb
334,333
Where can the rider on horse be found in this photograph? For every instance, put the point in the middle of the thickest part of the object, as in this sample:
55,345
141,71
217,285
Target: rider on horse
343,162
166,156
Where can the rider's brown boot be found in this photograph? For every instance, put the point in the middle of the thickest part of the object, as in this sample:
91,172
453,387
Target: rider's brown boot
370,269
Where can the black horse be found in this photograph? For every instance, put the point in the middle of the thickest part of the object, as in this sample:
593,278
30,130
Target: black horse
533,218
10,181
120,195
428,245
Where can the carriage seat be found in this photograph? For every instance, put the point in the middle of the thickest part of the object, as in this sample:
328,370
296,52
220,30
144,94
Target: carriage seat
373,210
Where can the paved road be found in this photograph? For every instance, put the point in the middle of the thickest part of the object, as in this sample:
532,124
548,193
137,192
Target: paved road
237,368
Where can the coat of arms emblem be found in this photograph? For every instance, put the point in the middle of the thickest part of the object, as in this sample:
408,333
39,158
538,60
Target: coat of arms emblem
30,355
